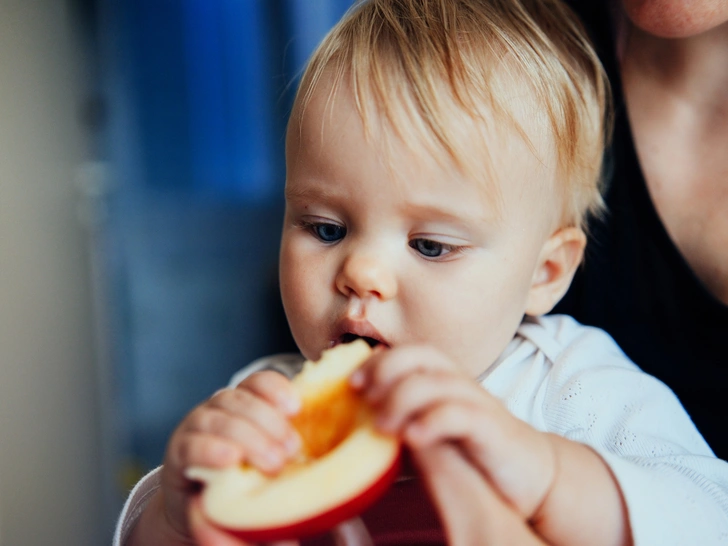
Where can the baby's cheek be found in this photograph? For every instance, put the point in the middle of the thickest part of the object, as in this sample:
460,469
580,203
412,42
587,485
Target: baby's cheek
296,290
303,305
474,333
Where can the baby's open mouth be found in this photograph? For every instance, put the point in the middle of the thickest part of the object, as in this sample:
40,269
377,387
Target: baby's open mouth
348,338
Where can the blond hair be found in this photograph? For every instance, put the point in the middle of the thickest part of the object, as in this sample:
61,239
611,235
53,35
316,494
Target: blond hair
399,55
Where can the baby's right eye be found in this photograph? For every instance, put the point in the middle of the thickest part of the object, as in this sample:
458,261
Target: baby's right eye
326,232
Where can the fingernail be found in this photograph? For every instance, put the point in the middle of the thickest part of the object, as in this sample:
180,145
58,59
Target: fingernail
273,459
291,406
292,444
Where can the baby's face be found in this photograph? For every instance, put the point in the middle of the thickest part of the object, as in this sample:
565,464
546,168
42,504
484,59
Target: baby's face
422,257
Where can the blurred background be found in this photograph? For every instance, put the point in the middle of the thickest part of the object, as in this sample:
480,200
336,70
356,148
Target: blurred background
141,170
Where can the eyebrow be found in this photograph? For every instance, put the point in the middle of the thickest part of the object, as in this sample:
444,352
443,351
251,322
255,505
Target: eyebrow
425,212
416,211
306,193
432,212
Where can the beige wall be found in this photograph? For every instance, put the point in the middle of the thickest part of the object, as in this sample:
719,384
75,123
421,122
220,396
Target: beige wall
50,482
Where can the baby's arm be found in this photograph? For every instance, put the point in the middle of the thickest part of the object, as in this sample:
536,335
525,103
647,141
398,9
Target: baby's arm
248,423
584,504
562,488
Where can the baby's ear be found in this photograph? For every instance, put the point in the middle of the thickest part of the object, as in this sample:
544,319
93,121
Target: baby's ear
560,255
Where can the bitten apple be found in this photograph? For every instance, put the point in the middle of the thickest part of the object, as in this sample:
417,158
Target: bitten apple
345,464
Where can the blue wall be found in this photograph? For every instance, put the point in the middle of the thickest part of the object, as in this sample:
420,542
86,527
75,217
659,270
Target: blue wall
198,93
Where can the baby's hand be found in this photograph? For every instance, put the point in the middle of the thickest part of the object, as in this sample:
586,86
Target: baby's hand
427,399
246,424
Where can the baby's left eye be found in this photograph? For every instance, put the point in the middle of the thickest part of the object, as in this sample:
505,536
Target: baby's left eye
431,249
329,233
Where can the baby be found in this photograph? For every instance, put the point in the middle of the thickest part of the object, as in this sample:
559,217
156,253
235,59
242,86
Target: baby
442,158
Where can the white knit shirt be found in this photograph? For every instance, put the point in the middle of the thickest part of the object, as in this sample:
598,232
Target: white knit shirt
573,380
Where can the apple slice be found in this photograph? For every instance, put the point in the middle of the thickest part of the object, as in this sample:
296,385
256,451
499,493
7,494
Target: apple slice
345,465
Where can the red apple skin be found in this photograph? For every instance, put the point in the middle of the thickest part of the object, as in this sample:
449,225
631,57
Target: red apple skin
327,520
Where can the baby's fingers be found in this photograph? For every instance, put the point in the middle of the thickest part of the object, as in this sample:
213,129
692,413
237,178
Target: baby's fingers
216,438
186,450
386,368
419,393
274,388
243,403
516,459
443,423
203,450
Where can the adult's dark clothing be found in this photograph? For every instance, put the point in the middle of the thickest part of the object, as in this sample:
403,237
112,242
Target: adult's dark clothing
637,286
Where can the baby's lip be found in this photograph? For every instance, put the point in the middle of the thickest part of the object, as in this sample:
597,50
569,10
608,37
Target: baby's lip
348,330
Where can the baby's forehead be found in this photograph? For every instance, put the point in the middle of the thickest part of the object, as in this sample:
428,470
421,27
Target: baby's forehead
484,147
461,133
513,67
480,141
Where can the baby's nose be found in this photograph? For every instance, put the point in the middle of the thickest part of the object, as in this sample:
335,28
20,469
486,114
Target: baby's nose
367,275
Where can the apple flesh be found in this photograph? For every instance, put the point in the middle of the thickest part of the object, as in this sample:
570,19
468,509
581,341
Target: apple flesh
345,465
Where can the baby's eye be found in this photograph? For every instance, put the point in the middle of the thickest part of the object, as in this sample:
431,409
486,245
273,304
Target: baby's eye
328,233
431,249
